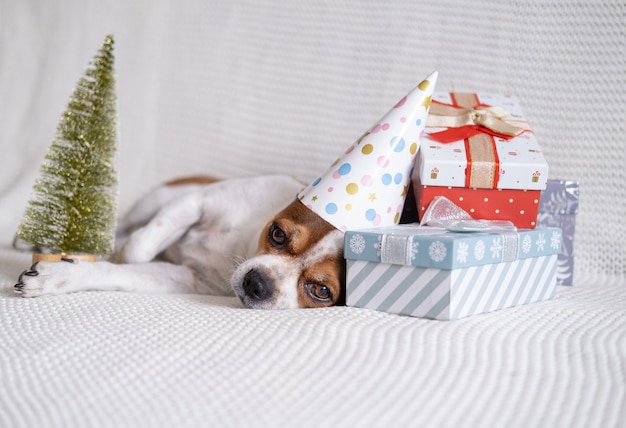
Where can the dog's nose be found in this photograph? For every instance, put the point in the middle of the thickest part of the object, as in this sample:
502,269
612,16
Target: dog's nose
256,286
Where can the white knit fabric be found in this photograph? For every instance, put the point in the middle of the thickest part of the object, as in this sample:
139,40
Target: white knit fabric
130,360
258,86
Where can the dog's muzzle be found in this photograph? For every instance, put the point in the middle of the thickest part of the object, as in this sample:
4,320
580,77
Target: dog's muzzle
257,287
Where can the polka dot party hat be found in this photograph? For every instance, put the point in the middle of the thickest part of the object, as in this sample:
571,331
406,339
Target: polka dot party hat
367,185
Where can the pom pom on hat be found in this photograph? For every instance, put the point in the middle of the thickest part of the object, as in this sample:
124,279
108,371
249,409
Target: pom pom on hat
367,185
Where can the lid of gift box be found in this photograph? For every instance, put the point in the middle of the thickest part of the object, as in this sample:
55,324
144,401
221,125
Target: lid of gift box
425,246
560,197
492,162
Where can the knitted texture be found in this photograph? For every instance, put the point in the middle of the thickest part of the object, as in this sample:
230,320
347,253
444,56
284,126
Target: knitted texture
119,359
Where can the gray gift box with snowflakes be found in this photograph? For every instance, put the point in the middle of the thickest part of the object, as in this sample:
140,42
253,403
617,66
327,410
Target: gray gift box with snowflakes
441,274
558,207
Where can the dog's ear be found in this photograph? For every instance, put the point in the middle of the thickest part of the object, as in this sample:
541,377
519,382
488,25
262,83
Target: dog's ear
294,229
303,215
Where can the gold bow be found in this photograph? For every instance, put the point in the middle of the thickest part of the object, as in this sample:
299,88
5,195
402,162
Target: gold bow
446,116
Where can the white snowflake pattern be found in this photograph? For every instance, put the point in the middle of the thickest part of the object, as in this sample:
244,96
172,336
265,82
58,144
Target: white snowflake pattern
462,252
541,242
479,250
357,244
555,241
496,248
526,244
437,251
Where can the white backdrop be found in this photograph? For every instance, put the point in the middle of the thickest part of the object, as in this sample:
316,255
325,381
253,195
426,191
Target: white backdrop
245,87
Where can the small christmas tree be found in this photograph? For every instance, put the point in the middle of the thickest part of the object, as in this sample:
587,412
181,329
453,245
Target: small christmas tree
74,205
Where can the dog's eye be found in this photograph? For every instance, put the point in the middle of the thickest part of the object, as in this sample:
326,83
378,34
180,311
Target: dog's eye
319,292
277,236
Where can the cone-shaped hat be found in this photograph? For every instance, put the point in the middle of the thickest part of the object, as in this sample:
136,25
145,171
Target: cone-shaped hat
367,185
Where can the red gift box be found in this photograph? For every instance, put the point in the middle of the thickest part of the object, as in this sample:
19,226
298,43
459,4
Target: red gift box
519,206
478,151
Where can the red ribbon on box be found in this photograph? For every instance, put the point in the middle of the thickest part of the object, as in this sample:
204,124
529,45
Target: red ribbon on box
475,123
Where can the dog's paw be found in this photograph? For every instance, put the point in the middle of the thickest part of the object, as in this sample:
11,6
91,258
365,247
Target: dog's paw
47,278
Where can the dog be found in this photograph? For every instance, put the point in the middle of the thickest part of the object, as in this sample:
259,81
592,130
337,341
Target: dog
248,237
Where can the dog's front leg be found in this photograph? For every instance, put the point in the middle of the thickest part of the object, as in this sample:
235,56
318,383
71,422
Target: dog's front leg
164,229
74,275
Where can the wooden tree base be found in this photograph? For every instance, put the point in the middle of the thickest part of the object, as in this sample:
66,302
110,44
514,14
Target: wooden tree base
57,257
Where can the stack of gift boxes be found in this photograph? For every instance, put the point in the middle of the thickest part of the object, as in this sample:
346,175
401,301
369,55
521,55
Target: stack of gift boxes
511,245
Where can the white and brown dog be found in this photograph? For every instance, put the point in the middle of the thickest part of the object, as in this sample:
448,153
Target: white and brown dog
249,237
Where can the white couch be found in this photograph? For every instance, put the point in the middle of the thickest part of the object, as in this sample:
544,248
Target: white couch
263,86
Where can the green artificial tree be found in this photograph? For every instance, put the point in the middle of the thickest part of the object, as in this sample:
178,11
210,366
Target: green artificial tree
74,204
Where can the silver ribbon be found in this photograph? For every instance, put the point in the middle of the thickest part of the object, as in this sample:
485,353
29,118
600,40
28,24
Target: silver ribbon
444,216
396,249
510,245
443,213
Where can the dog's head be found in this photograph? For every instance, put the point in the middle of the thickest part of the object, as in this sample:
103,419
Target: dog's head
299,264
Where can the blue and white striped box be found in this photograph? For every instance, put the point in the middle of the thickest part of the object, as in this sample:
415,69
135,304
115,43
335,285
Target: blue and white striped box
433,273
